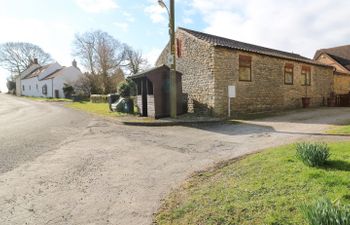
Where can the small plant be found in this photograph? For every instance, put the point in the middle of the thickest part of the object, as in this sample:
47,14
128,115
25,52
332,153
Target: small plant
313,154
324,212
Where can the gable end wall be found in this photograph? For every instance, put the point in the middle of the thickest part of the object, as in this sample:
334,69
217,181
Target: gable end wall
197,65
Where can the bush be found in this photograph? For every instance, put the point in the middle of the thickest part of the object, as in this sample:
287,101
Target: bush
98,98
68,90
127,88
313,154
323,212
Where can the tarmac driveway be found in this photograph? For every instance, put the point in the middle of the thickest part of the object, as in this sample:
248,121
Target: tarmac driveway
114,174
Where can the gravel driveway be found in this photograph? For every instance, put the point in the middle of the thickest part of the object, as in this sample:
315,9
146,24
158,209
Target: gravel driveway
113,174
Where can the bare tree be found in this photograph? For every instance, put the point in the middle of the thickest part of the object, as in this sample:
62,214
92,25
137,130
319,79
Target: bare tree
134,61
100,54
18,56
87,84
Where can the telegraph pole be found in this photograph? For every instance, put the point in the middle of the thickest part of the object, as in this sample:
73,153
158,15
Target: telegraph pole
171,57
173,83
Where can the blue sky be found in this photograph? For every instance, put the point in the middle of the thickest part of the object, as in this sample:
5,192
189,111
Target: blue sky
296,26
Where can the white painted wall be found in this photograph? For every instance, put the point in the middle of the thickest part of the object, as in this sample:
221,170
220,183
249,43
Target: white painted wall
54,81
33,87
23,74
67,75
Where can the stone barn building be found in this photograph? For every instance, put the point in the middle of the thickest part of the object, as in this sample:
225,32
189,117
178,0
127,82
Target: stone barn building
266,80
339,58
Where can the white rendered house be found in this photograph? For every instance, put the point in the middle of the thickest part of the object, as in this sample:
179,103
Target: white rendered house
46,81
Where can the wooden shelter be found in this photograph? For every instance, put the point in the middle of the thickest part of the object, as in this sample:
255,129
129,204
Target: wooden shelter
153,92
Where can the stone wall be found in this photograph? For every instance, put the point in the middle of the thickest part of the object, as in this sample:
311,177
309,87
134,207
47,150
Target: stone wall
341,83
196,64
139,104
267,91
341,76
208,71
151,106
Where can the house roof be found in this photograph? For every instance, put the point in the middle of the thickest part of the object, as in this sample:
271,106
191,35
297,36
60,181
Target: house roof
340,54
54,74
232,44
62,71
146,72
37,71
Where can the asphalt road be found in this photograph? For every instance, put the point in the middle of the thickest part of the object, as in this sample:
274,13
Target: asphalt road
66,167
29,129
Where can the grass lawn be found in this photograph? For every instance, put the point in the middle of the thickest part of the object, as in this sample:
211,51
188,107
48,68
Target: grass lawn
265,188
101,109
343,129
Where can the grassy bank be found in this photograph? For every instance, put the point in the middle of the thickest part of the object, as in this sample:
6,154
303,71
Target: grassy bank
265,188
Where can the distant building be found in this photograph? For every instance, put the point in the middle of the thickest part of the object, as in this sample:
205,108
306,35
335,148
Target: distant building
339,58
46,81
265,80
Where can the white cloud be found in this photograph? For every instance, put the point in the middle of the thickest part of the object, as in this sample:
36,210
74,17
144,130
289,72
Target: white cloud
298,26
97,6
156,13
128,17
39,32
153,55
124,26
187,20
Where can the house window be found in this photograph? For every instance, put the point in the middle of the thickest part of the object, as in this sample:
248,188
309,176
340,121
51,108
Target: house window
23,88
306,76
178,47
30,87
288,74
245,68
44,89
37,87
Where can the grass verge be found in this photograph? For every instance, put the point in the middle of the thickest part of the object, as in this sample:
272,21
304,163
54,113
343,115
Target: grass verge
265,188
342,129
48,99
101,109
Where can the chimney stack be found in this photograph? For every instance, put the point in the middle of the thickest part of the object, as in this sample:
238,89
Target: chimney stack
74,63
35,61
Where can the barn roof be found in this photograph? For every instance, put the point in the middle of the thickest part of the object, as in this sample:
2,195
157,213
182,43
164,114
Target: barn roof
237,45
340,54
